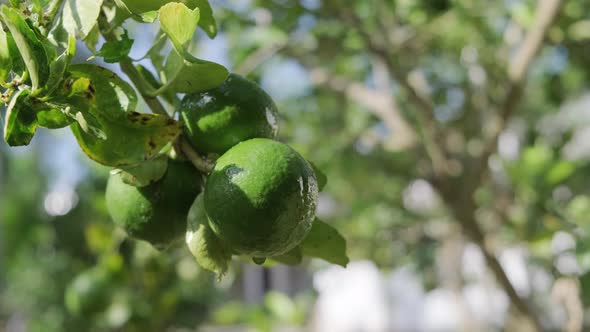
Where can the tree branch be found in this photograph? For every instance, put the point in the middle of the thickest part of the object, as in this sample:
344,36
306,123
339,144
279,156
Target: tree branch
379,103
425,109
546,13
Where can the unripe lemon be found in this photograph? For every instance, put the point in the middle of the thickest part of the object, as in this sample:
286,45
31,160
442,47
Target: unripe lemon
261,198
220,118
155,213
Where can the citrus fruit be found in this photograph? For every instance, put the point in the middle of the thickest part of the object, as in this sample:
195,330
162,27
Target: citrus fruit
155,213
220,118
88,292
261,198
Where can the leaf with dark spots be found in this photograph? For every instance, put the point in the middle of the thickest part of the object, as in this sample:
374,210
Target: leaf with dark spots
129,137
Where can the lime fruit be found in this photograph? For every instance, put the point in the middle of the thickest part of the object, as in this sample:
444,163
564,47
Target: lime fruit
220,118
155,213
88,293
261,198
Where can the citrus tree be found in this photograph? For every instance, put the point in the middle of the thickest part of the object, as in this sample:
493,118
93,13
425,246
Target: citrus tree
259,195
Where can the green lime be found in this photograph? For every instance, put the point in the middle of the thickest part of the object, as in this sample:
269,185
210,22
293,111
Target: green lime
155,213
237,110
261,198
88,293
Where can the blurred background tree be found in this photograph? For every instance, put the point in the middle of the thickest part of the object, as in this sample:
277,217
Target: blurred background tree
454,134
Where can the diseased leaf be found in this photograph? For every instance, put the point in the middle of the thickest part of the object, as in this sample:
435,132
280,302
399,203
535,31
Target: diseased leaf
30,48
184,76
114,51
179,23
80,16
324,241
126,137
20,124
210,252
146,173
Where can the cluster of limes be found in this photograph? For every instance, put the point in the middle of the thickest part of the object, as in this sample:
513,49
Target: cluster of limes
260,197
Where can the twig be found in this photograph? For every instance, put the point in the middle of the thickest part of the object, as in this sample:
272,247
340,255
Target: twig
546,13
258,57
379,103
425,115
199,163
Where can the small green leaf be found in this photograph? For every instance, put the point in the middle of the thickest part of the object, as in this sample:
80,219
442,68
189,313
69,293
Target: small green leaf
30,48
179,23
293,257
320,176
146,173
20,124
5,59
80,16
114,51
184,76
325,242
210,252
207,21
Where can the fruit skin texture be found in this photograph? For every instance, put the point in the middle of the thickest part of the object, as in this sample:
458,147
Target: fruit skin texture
155,213
88,293
261,198
220,118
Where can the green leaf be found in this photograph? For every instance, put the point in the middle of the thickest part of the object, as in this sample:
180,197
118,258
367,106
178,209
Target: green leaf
325,242
20,124
92,38
207,21
128,137
59,66
115,51
146,173
179,23
30,48
320,176
5,59
80,16
18,66
559,172
53,118
184,76
210,252
169,97
293,257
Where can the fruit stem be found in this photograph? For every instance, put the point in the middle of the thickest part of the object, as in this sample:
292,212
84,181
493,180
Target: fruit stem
199,163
